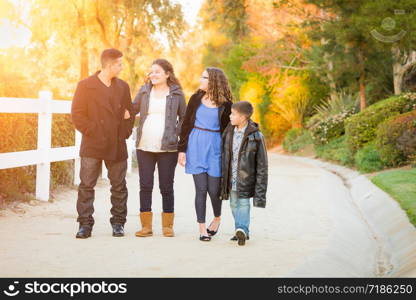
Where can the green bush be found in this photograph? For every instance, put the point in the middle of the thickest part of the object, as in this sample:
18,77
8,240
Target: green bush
330,128
360,129
336,150
396,139
328,122
368,159
296,139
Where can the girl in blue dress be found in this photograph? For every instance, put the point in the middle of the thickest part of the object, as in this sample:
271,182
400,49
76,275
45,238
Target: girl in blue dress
207,115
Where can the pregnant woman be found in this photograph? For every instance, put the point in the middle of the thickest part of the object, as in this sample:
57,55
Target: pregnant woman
207,115
161,104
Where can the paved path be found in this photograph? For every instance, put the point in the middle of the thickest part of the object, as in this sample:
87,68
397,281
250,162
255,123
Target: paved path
296,224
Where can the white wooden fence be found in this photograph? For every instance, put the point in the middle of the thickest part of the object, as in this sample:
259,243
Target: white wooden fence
44,154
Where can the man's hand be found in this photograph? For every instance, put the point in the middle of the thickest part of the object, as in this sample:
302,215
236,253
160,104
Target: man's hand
126,115
182,158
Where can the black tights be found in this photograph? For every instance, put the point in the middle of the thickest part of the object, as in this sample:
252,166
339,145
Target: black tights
206,184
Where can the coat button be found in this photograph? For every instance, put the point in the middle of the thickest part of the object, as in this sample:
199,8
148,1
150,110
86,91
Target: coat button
102,121
119,105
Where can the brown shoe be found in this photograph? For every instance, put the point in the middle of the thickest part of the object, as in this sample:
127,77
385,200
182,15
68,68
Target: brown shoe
146,220
167,224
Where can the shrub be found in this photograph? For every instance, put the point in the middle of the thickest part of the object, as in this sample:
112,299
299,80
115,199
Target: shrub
339,103
296,139
330,128
361,128
336,150
396,139
368,159
328,122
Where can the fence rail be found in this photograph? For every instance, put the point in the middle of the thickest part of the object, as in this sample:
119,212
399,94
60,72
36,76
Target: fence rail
42,157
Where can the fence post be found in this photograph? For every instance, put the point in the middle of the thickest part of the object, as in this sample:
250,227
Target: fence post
43,168
77,164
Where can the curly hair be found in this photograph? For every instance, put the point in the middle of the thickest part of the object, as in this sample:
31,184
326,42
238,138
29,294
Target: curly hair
218,87
168,68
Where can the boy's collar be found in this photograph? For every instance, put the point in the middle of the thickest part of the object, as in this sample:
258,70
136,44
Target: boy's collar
242,129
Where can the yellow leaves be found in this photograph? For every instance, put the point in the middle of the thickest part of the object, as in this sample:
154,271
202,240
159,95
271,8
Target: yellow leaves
290,99
213,35
253,92
276,126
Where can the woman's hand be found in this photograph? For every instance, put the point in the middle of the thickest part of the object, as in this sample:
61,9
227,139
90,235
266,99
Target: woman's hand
182,158
126,115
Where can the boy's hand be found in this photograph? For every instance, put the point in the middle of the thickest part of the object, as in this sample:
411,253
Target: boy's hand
126,115
182,158
259,203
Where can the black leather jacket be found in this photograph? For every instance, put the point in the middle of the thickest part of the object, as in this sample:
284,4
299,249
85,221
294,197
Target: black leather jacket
252,165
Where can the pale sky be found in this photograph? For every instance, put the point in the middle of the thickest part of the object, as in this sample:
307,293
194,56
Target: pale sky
10,36
190,9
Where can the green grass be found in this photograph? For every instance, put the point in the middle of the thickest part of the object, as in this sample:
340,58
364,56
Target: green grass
401,185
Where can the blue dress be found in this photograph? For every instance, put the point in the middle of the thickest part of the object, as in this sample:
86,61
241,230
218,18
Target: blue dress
203,154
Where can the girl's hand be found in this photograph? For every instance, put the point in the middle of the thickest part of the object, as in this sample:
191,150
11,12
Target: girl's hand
182,158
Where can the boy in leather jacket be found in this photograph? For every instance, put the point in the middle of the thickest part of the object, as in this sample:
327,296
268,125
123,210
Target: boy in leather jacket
244,167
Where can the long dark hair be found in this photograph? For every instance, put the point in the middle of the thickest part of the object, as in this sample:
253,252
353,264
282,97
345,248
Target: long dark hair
168,68
218,87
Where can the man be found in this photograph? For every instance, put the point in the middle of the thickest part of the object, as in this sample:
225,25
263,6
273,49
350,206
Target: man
100,111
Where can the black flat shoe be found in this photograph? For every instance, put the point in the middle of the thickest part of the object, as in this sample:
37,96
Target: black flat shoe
234,238
204,238
241,237
84,232
118,230
212,232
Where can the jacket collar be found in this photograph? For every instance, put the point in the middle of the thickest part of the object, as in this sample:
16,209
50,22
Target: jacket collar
94,82
174,89
251,128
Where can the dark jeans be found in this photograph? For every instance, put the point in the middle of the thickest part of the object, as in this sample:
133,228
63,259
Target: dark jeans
90,170
166,165
206,184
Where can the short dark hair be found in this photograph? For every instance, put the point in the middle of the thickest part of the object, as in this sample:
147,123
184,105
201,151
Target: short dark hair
108,55
244,108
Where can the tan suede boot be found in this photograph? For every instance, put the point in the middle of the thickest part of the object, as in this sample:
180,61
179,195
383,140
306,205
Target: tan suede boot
167,224
146,220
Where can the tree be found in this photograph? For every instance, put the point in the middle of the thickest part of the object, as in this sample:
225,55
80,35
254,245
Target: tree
357,43
129,25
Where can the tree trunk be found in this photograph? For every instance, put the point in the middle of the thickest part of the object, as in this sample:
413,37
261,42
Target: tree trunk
361,62
402,61
329,63
397,71
84,72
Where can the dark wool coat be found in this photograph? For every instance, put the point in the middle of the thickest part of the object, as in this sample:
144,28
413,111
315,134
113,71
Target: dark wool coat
100,118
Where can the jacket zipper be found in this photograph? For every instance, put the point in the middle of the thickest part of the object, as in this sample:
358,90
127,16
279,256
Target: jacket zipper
238,160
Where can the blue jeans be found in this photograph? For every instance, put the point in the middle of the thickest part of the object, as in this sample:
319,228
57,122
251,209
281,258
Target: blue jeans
241,211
